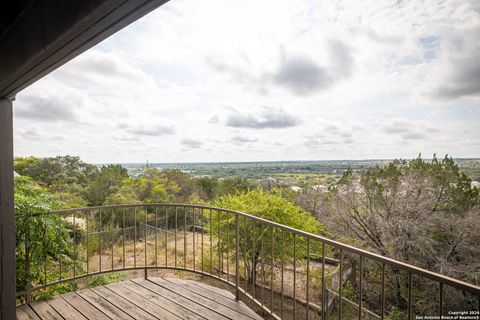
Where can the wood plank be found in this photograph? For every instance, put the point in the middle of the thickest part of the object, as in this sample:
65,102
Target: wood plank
204,290
224,299
82,306
65,310
26,313
127,306
155,298
178,305
212,305
103,305
214,289
45,311
159,309
178,309
188,302
173,305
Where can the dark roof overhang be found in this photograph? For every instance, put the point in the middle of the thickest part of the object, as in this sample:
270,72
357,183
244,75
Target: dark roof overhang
38,36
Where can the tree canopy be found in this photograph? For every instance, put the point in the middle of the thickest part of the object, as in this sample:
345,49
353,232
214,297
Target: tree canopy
60,170
267,205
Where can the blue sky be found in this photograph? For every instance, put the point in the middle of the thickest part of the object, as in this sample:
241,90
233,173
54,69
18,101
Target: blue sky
242,80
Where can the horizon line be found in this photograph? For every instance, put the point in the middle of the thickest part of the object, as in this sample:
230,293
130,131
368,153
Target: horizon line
278,161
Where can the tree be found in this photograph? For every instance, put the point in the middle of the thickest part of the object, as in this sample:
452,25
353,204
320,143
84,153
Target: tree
389,207
66,169
108,181
213,187
311,199
41,238
233,185
208,186
421,212
21,164
265,205
179,184
66,196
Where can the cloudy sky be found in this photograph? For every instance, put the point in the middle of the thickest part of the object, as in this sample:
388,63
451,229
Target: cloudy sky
248,80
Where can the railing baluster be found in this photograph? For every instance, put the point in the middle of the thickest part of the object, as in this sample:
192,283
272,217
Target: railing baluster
124,258
382,302
220,256
281,273
61,254
262,266
211,242
227,246
86,240
308,276
45,267
245,250
45,251
184,237
156,236
441,300
135,236
27,257
201,236
409,311
145,264
193,229
60,260
272,254
176,226
340,284
254,258
111,232
237,254
294,275
74,247
360,289
100,241
324,302
166,236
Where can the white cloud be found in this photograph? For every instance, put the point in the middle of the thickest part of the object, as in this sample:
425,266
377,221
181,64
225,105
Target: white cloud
191,143
243,139
51,108
268,118
154,131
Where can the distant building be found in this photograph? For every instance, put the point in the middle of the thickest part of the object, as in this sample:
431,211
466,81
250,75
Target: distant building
296,188
319,187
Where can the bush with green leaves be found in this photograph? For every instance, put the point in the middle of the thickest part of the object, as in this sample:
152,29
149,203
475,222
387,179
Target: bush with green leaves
42,239
255,238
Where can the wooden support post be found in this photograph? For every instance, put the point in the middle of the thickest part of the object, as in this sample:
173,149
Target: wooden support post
7,219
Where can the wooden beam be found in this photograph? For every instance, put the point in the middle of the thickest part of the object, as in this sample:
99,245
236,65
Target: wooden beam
49,33
7,218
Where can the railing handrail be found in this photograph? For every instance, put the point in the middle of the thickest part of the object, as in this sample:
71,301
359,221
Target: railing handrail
462,285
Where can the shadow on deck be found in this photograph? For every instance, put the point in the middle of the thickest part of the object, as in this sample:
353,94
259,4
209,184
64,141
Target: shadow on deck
155,298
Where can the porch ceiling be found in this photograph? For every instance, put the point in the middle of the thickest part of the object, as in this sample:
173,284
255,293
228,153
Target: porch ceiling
38,36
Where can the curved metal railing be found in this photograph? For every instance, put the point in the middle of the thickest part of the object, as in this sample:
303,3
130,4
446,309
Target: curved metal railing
281,269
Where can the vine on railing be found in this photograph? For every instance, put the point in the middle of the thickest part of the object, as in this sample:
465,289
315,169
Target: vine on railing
287,272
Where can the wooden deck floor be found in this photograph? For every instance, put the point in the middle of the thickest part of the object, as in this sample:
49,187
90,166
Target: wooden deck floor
155,298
